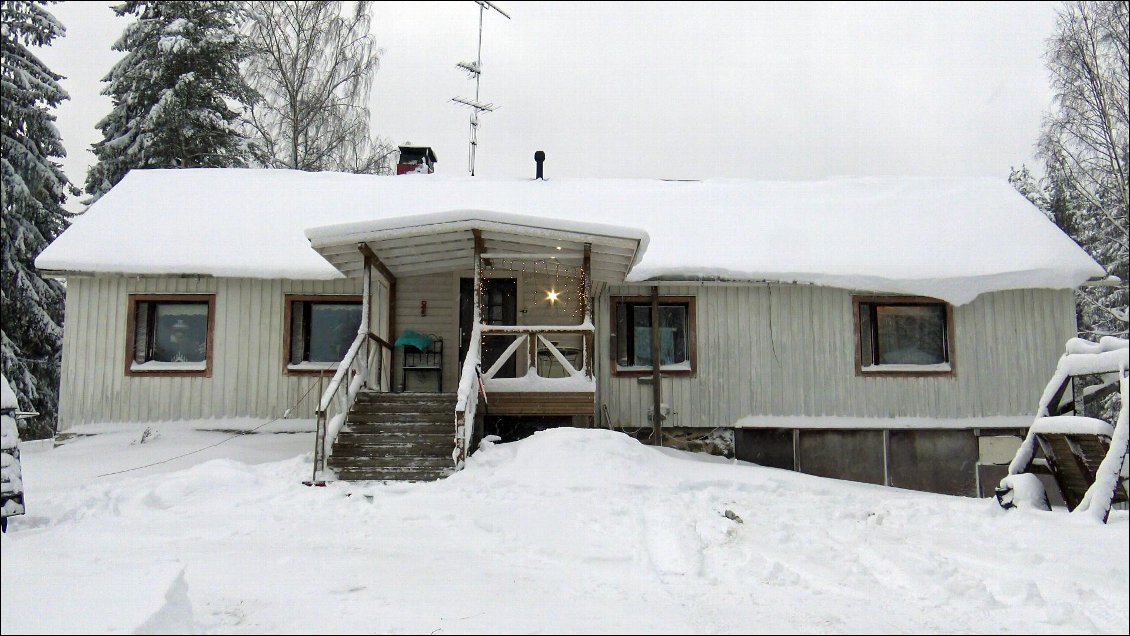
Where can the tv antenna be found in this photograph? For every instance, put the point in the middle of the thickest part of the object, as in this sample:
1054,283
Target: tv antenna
475,69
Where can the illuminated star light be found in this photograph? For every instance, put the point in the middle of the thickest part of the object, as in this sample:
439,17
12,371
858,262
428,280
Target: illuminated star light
552,296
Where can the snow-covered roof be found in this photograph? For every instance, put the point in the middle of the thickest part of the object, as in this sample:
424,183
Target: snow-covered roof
444,241
7,395
950,238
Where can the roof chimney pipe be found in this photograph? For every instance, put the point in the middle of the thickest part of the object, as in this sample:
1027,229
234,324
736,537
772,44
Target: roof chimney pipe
539,157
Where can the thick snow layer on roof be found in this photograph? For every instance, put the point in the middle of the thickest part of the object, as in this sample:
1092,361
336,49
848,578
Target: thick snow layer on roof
951,238
7,395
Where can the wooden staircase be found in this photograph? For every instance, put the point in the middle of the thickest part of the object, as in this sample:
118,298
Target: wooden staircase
1073,461
396,437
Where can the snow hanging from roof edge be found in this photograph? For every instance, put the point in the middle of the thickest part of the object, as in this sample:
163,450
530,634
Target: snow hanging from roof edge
950,238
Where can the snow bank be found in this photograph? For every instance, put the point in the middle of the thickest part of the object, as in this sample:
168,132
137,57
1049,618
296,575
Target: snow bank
569,531
950,238
7,396
175,614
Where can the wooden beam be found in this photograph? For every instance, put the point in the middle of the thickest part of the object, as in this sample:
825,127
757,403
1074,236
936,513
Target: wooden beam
533,256
480,247
367,252
588,342
656,386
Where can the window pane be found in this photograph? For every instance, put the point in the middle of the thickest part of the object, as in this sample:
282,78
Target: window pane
911,334
333,326
623,335
180,332
141,332
297,331
672,334
867,350
641,335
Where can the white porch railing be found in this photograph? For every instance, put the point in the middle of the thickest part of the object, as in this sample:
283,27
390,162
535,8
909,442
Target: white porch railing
534,339
362,366
468,398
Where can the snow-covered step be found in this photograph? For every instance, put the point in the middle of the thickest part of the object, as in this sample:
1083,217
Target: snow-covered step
446,418
393,474
396,436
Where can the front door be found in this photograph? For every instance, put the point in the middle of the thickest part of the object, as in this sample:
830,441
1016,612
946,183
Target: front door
500,307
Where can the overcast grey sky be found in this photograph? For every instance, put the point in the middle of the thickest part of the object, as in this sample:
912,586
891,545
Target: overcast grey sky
682,90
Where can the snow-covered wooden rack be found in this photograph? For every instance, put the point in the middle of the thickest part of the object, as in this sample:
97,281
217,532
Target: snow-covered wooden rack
1085,455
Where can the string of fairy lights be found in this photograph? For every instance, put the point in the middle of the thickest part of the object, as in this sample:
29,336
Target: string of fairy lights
557,295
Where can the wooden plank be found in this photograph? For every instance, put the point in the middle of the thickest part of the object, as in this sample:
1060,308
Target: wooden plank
367,252
578,403
656,363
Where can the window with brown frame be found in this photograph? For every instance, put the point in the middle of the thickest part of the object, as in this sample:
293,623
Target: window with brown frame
170,334
903,336
319,330
631,338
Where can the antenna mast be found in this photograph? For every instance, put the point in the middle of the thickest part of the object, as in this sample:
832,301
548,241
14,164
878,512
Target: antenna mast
475,69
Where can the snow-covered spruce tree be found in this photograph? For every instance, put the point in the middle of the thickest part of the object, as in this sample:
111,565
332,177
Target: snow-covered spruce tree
313,65
1085,145
34,189
176,94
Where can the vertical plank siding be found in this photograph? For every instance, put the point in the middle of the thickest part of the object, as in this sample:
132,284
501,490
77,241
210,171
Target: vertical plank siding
762,350
441,291
247,371
789,350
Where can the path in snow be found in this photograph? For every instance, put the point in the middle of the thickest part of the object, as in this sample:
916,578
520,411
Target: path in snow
568,531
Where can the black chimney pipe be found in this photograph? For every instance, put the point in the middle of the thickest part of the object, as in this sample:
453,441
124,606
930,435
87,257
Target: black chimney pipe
539,157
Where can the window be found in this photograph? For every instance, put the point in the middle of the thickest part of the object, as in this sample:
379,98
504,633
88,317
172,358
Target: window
319,330
170,334
900,335
631,348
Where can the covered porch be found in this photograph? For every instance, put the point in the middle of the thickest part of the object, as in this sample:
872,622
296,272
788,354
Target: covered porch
495,307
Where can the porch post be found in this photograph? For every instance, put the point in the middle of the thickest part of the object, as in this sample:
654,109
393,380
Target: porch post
366,308
477,310
586,298
656,387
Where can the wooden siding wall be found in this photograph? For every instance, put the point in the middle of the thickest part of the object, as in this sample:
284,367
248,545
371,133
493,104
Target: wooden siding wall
788,350
441,291
247,370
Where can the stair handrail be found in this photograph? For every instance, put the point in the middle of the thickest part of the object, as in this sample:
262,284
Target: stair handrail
335,402
467,398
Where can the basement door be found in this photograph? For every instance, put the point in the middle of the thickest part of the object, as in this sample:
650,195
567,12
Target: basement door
500,307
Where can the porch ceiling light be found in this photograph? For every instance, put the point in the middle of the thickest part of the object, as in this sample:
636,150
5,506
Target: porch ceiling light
552,295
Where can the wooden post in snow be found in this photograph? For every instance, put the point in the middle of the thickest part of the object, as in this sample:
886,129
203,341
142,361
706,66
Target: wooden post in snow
476,311
656,387
587,344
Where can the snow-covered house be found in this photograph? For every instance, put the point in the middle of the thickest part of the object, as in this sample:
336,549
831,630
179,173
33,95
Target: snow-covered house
891,330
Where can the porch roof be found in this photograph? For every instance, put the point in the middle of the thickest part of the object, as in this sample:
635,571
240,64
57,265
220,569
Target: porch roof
445,241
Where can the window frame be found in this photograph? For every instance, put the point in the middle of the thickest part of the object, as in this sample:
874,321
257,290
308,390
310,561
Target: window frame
288,303
950,349
692,336
131,324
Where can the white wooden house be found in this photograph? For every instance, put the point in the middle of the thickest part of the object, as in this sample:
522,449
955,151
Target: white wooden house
891,330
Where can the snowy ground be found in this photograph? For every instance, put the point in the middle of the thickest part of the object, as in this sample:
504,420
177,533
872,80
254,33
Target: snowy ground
568,531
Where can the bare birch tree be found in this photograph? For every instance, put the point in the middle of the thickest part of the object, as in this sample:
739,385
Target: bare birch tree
313,65
1084,147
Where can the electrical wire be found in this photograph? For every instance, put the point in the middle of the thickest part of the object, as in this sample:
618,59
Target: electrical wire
227,439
